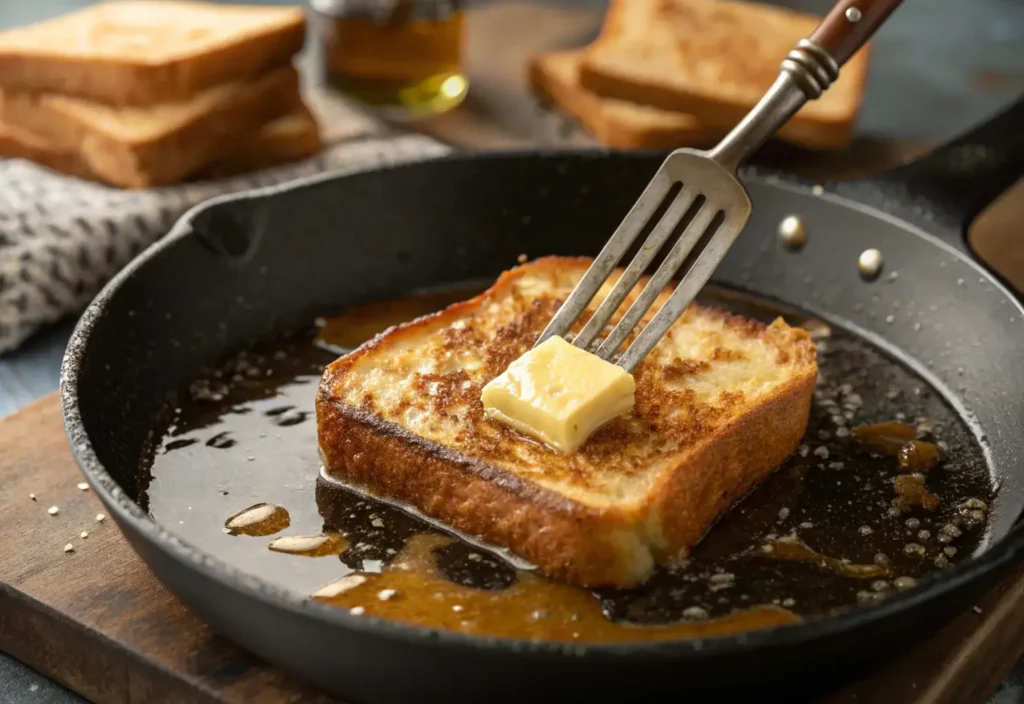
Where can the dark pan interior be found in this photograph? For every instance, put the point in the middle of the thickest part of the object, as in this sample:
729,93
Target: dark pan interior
244,434
242,269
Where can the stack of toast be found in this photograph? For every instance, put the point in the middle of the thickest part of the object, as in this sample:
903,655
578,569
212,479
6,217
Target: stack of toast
147,93
672,73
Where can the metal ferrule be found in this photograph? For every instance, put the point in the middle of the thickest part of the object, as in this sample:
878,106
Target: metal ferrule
812,68
804,75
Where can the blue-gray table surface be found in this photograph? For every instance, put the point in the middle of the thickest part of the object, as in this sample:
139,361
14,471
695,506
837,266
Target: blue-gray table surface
937,67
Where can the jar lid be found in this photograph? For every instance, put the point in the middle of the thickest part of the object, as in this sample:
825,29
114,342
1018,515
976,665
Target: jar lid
381,8
328,7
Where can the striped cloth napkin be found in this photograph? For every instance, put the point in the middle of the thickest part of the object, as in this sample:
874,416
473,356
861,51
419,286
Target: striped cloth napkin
62,238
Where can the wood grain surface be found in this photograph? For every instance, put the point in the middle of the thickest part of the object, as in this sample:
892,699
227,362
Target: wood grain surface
95,619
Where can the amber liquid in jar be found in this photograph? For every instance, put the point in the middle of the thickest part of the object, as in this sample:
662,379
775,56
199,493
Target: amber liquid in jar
402,57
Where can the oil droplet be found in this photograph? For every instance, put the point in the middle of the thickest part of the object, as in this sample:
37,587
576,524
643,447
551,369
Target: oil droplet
310,545
340,586
258,520
904,582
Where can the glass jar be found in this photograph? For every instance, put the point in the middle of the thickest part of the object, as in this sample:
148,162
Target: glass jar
401,57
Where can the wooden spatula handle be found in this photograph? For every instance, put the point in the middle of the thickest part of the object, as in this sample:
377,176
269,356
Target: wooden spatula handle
849,24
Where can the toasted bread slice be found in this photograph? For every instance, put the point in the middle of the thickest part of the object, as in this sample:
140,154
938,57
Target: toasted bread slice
619,124
289,138
720,403
16,143
284,140
146,52
714,59
145,147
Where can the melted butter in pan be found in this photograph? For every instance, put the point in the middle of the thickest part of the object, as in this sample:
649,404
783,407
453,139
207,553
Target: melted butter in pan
822,534
412,589
791,548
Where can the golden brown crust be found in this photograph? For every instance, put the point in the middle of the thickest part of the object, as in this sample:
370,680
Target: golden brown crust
644,486
20,144
605,77
282,141
563,538
813,134
726,470
171,155
615,123
271,146
123,80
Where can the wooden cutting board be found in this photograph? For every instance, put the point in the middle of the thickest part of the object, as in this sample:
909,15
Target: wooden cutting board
97,621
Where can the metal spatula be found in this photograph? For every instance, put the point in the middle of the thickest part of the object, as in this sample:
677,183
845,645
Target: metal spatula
698,195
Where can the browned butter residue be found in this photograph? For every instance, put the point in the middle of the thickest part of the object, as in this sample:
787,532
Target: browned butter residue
795,549
261,519
884,438
412,590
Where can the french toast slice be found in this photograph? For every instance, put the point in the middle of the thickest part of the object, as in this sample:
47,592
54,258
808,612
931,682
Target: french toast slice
721,401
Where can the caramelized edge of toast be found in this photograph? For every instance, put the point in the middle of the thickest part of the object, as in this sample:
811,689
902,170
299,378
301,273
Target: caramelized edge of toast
585,544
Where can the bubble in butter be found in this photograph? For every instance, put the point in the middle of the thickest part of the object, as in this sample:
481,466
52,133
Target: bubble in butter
559,394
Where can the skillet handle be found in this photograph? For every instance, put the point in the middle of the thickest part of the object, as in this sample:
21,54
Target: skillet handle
950,186
849,24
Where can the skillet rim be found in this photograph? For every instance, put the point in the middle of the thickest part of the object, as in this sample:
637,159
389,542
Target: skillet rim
188,556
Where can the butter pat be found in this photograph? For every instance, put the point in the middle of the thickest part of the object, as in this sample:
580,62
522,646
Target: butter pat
559,394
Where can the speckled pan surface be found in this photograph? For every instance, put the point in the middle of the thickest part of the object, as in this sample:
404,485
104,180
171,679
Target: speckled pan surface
276,258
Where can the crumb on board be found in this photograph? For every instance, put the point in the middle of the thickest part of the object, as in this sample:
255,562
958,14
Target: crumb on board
69,548
53,510
32,496
100,518
84,535
83,486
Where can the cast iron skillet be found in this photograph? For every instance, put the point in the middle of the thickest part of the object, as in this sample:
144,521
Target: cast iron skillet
240,267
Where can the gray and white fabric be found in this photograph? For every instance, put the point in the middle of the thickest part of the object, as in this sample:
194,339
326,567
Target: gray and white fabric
62,238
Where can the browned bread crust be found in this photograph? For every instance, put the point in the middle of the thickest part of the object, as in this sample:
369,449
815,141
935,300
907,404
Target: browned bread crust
615,123
284,140
713,59
641,491
146,52
17,143
289,138
147,147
